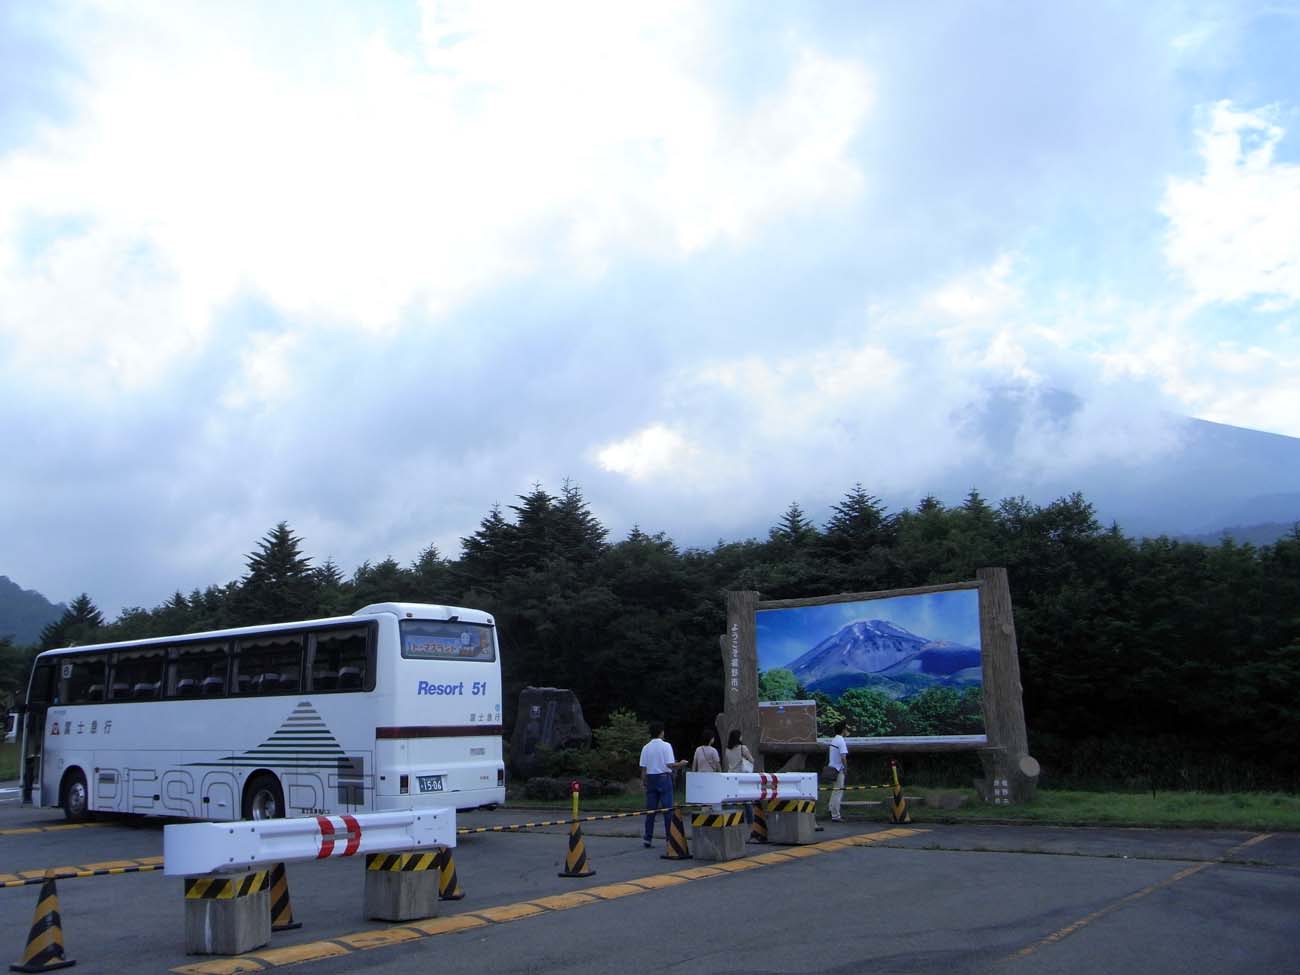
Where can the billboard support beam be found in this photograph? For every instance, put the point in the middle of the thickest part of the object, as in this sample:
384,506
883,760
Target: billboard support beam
740,673
1010,774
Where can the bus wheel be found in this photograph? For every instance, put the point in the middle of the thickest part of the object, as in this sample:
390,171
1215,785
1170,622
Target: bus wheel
263,798
76,801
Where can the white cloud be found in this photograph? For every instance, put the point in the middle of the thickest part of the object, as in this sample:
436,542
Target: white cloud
372,180
1234,230
653,451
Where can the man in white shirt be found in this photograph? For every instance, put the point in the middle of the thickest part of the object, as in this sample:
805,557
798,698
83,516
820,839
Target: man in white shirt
657,764
839,760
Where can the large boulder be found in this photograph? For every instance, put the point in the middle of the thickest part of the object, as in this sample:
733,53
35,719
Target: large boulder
548,717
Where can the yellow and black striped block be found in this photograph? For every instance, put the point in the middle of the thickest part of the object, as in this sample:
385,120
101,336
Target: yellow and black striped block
225,888
575,862
898,808
449,888
281,905
718,820
44,951
403,862
792,805
758,832
677,848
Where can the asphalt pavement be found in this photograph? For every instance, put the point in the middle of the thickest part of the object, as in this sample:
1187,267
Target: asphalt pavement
863,897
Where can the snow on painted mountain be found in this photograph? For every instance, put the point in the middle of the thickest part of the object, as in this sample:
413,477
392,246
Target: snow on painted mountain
886,657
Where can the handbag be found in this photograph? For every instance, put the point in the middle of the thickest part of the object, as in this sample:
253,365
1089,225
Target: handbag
746,765
830,773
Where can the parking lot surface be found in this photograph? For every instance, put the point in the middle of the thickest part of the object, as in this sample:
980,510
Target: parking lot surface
864,896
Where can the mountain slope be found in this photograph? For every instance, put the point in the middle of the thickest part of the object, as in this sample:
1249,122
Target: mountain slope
25,612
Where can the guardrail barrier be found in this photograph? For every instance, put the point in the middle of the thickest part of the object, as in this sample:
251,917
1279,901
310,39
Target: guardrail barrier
227,904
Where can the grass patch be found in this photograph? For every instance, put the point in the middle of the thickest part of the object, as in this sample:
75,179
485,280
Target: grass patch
1245,810
8,762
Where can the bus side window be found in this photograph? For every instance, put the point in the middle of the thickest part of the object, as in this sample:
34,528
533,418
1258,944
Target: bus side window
197,670
269,664
340,660
85,681
137,674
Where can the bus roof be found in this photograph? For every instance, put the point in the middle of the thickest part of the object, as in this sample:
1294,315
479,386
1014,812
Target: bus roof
423,611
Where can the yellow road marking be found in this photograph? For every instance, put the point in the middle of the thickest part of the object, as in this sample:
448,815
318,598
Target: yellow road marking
448,925
110,864
1110,908
660,880
560,902
380,939
611,892
293,954
411,931
510,912
225,966
57,828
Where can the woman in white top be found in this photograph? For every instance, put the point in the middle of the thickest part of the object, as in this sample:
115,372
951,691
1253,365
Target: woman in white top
740,760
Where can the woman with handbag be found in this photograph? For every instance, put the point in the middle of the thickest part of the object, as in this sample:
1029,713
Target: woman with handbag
738,759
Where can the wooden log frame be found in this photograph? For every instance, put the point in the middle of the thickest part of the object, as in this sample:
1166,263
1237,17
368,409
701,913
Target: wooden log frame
1004,754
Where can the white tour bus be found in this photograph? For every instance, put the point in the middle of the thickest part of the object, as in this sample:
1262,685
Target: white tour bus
397,706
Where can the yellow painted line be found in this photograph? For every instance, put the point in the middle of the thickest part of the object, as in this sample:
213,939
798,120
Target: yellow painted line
510,912
57,828
415,930
294,954
735,866
776,856
222,966
7,877
699,873
380,939
150,860
1110,908
659,881
110,864
561,902
611,892
448,925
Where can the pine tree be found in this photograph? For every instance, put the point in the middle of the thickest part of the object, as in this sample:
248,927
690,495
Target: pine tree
77,625
279,586
485,555
431,576
794,528
578,536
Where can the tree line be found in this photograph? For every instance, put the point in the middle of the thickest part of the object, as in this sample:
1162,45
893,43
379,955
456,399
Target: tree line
1142,660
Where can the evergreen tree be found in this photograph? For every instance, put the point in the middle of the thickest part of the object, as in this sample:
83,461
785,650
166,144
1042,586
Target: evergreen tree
386,582
794,528
333,593
486,555
279,586
431,577
77,625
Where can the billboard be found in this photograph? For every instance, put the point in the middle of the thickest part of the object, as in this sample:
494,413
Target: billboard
899,666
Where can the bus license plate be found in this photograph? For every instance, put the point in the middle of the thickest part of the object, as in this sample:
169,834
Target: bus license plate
430,783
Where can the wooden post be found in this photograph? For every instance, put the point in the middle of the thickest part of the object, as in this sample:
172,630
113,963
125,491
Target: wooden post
1010,773
740,673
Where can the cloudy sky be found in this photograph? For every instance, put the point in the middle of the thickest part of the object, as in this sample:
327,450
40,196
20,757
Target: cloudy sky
370,268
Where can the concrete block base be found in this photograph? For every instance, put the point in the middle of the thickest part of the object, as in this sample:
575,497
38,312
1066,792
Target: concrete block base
227,927
790,828
719,842
401,895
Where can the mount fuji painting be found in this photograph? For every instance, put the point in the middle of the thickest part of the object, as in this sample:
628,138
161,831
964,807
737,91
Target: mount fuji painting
882,655
906,658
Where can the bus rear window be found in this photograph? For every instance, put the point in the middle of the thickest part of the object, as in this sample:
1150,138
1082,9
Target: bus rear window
444,640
